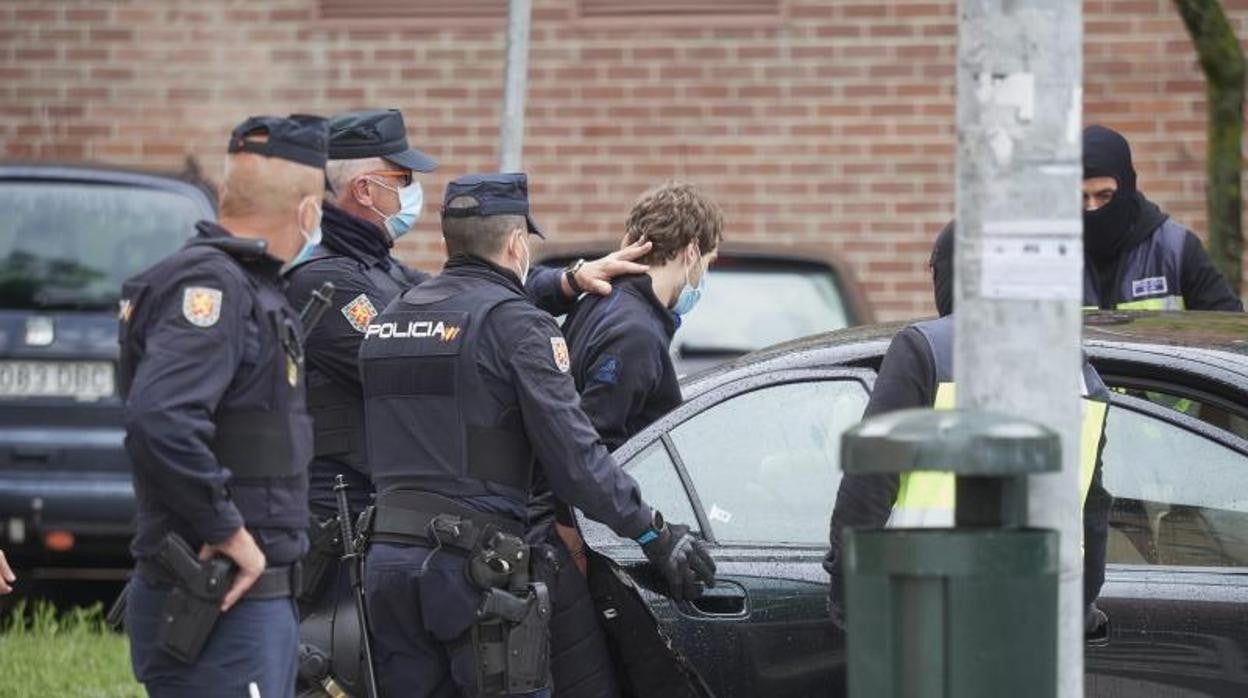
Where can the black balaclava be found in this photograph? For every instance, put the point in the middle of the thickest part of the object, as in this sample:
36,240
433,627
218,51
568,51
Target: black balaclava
1107,154
942,270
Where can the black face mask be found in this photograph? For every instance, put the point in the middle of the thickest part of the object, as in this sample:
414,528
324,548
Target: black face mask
1106,229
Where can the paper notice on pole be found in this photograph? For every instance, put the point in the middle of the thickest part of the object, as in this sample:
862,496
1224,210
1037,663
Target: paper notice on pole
1032,260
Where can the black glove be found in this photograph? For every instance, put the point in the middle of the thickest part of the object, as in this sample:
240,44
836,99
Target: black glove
683,560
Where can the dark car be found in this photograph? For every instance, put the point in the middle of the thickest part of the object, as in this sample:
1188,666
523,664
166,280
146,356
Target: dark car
758,295
752,456
69,236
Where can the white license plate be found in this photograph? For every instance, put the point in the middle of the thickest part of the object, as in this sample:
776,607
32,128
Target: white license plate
78,380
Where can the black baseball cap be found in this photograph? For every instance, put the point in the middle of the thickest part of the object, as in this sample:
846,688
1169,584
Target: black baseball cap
375,133
497,194
301,138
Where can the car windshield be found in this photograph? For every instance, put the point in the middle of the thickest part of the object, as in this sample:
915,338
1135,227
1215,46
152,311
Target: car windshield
747,309
70,245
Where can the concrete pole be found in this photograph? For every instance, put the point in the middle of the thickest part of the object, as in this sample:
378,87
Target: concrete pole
511,132
1019,253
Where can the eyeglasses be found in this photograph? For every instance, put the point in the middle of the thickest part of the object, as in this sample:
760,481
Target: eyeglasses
404,176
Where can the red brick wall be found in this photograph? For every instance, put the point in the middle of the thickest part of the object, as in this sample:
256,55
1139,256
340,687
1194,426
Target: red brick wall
830,121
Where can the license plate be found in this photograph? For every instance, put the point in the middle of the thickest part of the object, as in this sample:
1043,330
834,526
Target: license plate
78,380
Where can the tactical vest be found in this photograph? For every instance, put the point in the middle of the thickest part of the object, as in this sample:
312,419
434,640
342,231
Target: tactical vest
1150,275
926,499
338,412
265,445
430,420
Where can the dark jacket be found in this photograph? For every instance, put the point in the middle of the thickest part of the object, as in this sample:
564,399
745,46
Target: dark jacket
1158,248
621,360
213,382
355,256
498,369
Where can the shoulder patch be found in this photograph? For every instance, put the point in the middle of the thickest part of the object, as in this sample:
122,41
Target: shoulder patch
360,312
608,371
201,306
125,309
559,347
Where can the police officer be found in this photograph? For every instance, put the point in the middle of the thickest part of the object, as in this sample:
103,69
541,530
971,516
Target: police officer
621,362
467,394
374,199
1137,256
216,429
917,371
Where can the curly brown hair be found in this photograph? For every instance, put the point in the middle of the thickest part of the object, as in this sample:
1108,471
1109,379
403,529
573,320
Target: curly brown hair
671,216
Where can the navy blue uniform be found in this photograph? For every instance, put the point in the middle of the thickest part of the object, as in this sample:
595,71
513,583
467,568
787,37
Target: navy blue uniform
621,358
467,396
219,438
355,256
623,370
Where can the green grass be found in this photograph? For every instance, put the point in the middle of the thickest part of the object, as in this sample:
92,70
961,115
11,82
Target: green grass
44,652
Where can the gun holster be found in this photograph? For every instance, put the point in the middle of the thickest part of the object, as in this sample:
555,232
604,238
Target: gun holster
510,637
194,603
511,641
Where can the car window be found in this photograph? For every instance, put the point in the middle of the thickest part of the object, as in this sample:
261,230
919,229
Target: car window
71,245
1180,498
746,309
661,487
1211,414
766,463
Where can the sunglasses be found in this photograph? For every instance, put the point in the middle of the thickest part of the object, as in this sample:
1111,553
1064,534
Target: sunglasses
404,176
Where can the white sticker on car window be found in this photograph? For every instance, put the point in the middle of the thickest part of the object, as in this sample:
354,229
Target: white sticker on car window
720,515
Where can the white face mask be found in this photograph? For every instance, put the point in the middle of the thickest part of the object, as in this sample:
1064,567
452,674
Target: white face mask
528,262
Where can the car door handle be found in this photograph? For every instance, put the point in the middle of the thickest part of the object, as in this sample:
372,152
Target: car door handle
725,600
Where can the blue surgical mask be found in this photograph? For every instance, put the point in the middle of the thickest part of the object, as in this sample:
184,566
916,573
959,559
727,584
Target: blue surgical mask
310,242
690,294
411,204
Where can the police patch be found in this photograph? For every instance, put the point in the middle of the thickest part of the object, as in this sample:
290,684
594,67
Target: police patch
201,306
559,347
125,309
1153,286
359,312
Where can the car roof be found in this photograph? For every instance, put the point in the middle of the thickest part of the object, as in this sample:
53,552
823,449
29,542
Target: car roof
188,185
1211,345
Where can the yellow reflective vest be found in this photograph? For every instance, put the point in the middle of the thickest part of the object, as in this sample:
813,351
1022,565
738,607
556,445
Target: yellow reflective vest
926,499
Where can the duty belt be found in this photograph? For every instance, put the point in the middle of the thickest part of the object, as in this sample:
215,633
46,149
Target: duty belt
274,583
409,517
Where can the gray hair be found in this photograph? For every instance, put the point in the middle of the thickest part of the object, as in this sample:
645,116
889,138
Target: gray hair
340,173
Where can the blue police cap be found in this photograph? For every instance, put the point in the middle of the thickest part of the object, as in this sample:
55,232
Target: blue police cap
300,138
375,133
498,194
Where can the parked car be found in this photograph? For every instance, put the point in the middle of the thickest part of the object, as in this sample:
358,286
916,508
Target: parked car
758,295
69,236
751,459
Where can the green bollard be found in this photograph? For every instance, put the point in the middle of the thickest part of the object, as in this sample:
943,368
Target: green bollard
962,612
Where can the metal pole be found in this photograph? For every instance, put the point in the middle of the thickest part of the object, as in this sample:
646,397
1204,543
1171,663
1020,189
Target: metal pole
1020,253
511,132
